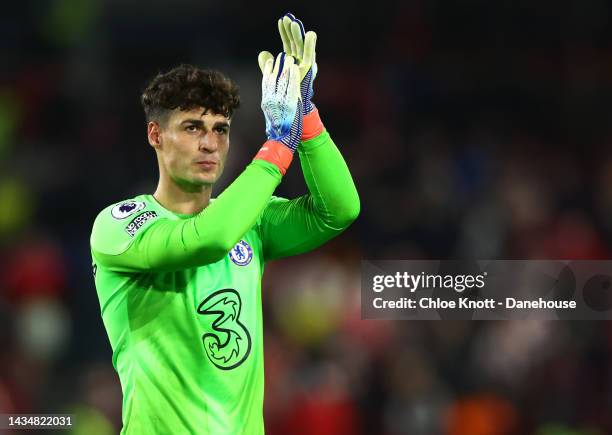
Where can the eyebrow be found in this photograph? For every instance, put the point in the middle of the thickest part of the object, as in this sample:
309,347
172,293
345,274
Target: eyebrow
200,123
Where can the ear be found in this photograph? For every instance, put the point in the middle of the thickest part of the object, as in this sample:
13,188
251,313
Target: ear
154,134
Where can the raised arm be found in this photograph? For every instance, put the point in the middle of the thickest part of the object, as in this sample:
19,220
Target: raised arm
290,227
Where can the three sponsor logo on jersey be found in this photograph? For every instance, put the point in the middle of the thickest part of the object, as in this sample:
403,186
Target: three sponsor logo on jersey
227,342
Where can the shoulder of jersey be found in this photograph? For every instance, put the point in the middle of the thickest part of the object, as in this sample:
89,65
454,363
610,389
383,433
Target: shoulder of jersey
119,224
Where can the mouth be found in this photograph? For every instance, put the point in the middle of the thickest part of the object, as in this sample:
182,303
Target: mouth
206,164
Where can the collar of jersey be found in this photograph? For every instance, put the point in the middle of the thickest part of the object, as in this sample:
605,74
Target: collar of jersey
180,215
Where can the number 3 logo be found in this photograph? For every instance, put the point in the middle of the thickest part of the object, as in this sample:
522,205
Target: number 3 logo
229,343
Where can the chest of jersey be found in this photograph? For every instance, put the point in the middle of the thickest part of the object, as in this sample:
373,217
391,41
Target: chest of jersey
227,304
213,309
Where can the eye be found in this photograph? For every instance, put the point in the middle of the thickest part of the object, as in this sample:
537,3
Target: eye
221,130
191,128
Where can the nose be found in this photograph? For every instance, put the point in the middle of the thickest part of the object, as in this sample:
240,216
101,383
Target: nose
208,142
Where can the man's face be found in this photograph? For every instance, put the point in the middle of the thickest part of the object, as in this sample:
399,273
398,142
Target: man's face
192,146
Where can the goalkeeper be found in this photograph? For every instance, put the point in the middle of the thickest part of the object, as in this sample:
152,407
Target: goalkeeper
178,274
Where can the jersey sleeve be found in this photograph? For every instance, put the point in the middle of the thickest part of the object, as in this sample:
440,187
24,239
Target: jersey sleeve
290,227
153,242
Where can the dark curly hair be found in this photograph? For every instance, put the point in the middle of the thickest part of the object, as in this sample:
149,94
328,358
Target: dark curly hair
186,87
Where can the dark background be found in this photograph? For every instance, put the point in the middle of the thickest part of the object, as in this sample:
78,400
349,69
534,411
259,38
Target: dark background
473,129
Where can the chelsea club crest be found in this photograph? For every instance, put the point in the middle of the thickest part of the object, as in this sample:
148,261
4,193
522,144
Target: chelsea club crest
241,254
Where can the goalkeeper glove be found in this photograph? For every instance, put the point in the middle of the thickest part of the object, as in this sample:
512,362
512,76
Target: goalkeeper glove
282,107
300,45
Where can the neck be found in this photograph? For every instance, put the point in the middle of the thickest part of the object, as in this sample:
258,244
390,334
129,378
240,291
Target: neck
183,199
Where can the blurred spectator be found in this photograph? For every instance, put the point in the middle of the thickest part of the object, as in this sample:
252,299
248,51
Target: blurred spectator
481,414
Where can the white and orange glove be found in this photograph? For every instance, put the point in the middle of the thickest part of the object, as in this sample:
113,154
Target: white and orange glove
300,45
282,107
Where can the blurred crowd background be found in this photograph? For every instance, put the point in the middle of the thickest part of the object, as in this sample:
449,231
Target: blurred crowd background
473,129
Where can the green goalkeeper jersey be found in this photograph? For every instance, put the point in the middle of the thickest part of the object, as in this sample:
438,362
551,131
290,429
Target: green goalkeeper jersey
180,295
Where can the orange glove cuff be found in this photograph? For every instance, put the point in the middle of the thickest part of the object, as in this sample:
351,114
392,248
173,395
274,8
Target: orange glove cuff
276,153
311,125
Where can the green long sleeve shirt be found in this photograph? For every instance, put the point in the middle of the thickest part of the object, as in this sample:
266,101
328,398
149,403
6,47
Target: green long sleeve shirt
180,295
